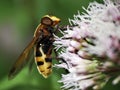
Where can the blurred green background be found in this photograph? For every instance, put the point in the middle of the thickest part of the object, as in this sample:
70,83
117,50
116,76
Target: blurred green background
18,20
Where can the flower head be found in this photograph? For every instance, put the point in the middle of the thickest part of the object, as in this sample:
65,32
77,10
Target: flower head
91,47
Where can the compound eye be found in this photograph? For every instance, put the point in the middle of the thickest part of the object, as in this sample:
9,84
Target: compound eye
46,21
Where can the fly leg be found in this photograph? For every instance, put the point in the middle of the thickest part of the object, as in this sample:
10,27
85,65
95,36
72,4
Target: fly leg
61,59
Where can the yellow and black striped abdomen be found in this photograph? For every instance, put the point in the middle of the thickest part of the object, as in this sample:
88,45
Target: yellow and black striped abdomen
44,63
43,57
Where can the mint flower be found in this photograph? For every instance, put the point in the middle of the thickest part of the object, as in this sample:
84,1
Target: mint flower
91,47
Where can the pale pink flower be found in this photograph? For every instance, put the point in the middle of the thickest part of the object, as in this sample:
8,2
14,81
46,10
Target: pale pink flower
91,47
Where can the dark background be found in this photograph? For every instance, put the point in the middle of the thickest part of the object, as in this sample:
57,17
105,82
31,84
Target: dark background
18,20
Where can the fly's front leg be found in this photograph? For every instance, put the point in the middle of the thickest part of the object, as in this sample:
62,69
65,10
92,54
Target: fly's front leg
61,59
59,28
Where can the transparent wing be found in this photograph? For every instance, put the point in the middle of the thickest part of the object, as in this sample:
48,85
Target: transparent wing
31,62
22,60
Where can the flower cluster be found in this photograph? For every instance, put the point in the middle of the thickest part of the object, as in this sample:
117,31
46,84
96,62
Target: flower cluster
90,47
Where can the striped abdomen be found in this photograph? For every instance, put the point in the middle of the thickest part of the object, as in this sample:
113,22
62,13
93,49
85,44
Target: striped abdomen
43,58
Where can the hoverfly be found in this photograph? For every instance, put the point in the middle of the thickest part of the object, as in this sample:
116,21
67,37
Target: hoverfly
42,43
